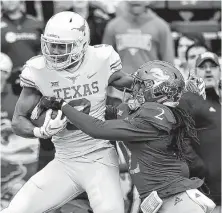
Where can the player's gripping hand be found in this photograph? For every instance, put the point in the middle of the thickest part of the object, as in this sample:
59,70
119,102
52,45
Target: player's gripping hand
51,126
47,102
196,84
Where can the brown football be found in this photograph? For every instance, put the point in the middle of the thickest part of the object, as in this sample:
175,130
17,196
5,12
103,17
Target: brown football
40,120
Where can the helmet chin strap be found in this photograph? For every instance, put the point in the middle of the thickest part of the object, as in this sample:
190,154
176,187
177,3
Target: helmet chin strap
75,66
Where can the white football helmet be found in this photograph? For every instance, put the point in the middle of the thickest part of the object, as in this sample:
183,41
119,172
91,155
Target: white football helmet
65,40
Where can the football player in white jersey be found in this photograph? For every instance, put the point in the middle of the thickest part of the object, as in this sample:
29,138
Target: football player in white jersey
79,73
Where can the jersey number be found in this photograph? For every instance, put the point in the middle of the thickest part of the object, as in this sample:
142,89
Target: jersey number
82,105
159,115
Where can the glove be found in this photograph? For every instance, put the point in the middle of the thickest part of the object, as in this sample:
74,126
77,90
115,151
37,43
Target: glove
196,85
47,102
51,126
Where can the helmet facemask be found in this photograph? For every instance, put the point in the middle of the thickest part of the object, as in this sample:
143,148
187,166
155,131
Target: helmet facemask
67,52
137,93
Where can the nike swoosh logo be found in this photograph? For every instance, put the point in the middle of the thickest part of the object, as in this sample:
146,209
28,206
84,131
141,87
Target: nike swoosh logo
52,128
211,109
90,76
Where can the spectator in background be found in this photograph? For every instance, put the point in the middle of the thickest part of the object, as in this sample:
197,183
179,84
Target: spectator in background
96,17
20,39
208,68
139,36
207,116
46,9
6,68
20,33
183,43
191,55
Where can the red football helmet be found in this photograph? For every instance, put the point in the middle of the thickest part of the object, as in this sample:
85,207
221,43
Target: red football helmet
158,81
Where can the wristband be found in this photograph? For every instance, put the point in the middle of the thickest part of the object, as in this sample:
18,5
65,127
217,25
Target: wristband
38,133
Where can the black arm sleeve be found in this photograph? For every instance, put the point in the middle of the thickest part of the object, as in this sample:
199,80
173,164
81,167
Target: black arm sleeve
119,130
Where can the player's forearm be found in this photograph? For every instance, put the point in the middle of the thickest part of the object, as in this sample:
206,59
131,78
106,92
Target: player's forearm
21,126
117,130
86,123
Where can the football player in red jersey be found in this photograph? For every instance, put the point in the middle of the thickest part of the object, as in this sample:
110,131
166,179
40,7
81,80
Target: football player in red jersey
159,135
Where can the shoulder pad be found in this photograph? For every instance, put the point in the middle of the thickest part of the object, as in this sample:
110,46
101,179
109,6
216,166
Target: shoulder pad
158,115
103,50
26,78
30,71
36,62
103,47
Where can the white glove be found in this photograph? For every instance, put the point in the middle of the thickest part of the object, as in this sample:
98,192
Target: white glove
51,126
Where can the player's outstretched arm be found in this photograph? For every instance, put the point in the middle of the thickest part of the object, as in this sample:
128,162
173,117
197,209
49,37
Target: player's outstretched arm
21,124
118,130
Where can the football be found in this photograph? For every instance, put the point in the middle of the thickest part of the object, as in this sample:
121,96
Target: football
40,120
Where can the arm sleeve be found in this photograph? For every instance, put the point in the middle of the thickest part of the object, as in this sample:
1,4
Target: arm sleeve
166,44
119,130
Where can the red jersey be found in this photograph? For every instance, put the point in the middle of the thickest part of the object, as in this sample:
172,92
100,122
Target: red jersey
147,134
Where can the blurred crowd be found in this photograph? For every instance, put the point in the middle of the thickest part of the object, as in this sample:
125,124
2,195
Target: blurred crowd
184,33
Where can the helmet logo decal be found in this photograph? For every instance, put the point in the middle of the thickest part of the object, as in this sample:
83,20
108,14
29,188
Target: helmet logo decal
159,82
159,74
81,29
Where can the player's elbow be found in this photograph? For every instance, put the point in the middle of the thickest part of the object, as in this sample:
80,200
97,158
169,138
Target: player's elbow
94,134
15,125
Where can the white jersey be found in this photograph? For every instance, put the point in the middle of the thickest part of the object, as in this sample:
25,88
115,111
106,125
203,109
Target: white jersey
86,86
